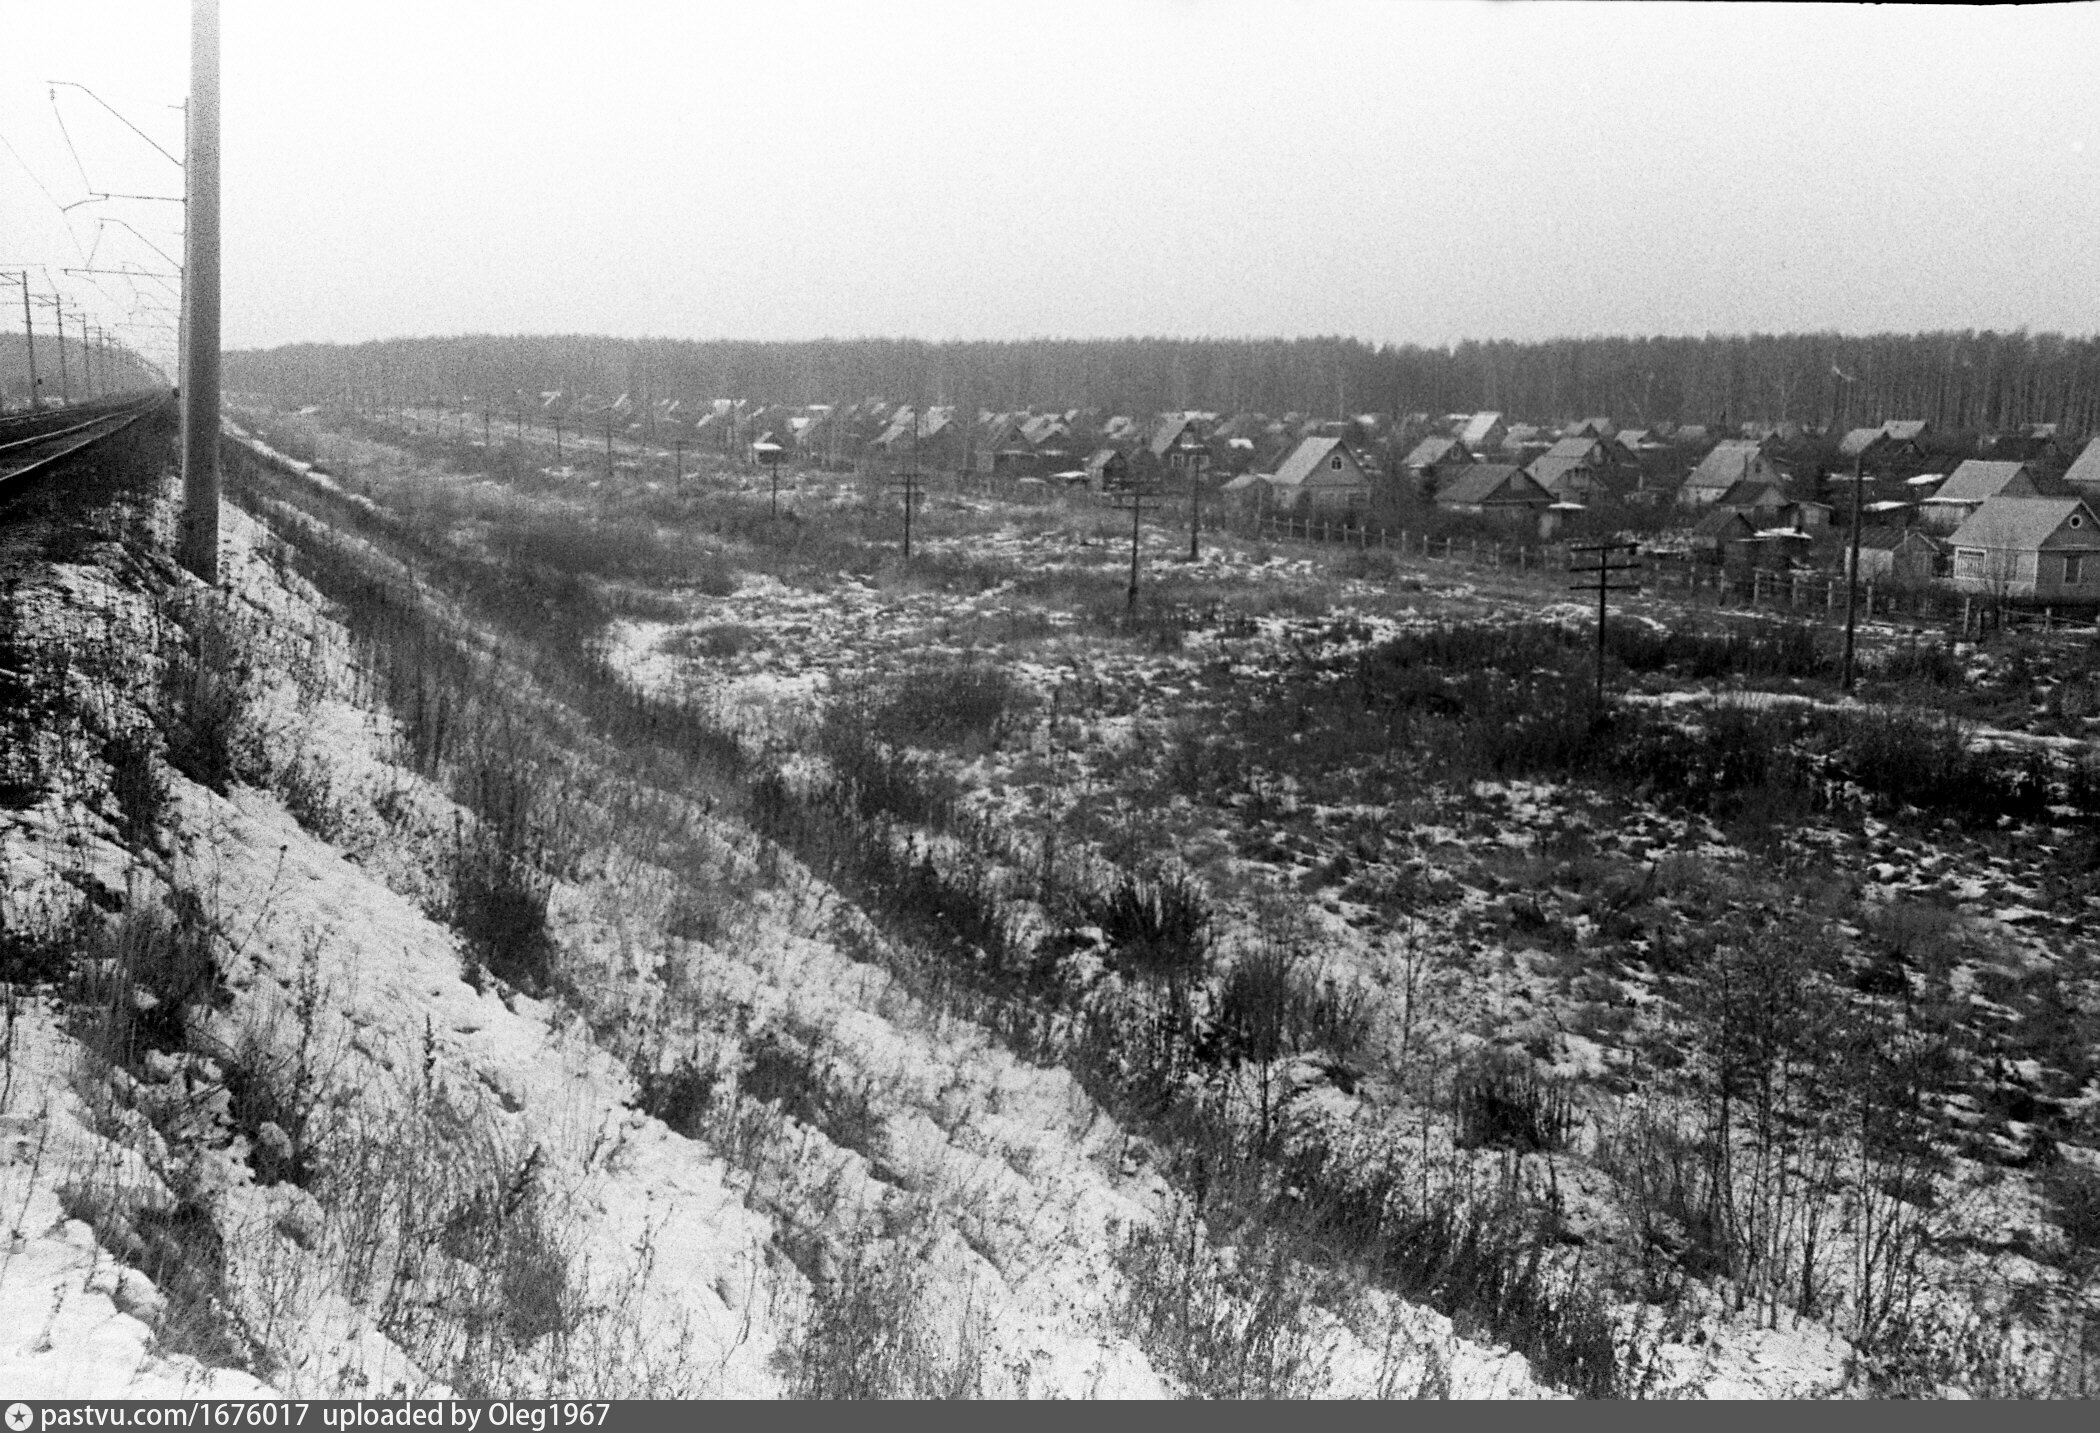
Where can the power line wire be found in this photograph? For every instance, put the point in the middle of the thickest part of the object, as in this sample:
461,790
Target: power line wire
76,85
57,114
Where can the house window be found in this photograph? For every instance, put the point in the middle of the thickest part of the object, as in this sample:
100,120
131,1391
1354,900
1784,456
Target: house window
1334,463
2074,566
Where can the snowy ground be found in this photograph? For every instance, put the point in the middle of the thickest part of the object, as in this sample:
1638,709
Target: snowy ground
860,1167
689,1262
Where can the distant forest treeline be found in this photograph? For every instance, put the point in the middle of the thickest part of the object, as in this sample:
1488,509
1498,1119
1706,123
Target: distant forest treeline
1971,381
111,369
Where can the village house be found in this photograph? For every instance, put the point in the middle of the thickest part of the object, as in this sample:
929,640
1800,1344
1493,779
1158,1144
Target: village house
1715,536
915,441
1969,487
1899,554
2084,472
1004,449
1429,460
1761,498
1896,447
1176,444
1731,462
1494,490
2025,547
1108,470
2035,442
1483,432
1806,515
1584,469
1321,475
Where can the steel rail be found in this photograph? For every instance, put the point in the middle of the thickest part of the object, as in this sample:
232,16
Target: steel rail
110,424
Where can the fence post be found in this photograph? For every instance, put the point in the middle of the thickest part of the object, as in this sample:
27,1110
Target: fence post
1870,599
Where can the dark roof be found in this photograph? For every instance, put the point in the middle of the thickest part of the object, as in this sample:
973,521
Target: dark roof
1482,481
1720,521
1754,493
1891,538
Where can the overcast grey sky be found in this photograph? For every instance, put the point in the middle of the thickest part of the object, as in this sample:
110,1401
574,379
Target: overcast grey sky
1398,172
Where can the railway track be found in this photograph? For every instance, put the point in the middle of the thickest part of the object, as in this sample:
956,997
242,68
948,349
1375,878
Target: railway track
24,457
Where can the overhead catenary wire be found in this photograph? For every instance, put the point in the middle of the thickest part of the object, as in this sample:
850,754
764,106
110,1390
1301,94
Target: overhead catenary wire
76,85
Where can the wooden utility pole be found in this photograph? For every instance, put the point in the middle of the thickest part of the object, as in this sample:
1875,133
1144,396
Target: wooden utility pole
200,287
58,323
770,455
914,491
1859,461
1140,497
87,360
1195,455
36,393
1604,570
677,464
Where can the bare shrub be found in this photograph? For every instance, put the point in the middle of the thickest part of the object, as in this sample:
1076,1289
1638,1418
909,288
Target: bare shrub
1501,1102
142,978
1158,925
498,888
874,1331
138,786
207,678
948,704
1221,1324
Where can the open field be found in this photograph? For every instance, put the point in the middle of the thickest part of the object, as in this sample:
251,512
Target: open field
1507,948
1296,983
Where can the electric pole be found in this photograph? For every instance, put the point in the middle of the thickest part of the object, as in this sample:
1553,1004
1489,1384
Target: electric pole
910,485
200,285
1859,463
36,392
1605,569
87,359
1140,497
1194,456
58,322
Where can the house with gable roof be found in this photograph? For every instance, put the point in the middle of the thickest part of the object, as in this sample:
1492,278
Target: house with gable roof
1322,475
1584,469
1492,489
1905,554
1429,460
1970,486
1896,446
1732,461
2030,548
1483,432
2084,473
